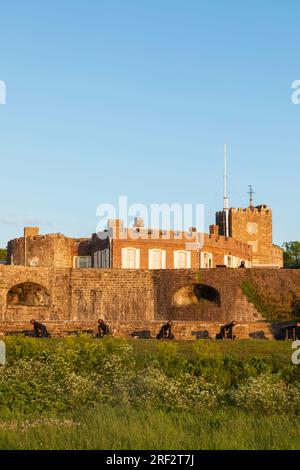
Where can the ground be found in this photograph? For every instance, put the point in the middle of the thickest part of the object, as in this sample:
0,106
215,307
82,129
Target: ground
160,418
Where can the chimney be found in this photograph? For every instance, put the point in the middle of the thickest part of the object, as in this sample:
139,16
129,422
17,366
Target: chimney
115,228
214,230
138,222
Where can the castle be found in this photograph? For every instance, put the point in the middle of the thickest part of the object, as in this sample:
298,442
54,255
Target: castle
137,277
248,241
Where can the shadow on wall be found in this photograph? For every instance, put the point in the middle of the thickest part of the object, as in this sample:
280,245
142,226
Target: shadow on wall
28,294
196,302
196,293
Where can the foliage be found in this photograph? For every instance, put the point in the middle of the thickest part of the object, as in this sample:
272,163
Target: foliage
79,371
46,383
291,254
267,393
270,308
3,254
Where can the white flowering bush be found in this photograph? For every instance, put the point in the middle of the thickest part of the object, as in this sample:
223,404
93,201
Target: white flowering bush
35,384
153,388
267,393
114,381
83,370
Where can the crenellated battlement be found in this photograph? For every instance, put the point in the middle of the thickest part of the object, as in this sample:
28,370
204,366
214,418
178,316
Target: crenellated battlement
253,226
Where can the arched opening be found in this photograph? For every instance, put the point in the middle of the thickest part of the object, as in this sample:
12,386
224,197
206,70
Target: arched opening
28,294
195,293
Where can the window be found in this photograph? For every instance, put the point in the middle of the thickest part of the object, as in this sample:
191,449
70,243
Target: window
82,261
182,259
130,258
157,259
251,227
96,259
254,246
231,261
101,259
105,258
34,262
206,260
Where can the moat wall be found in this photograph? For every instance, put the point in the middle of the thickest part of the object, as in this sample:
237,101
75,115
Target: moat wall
142,299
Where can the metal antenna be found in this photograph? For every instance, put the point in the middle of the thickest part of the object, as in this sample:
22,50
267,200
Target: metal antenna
251,192
225,198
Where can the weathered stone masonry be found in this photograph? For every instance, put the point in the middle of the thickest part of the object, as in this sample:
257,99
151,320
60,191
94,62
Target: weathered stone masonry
135,299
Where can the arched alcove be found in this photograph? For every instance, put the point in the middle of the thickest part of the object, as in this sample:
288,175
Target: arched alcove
28,294
195,293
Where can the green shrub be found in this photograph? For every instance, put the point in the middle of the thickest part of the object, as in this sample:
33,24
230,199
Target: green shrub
19,347
47,383
267,393
83,370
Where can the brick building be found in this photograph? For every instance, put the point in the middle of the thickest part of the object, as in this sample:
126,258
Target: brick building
138,247
253,226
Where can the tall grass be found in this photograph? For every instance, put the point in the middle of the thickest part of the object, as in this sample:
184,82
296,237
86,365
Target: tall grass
117,428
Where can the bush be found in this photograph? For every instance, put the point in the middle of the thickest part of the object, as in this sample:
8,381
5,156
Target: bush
47,383
83,370
154,389
85,354
19,347
267,393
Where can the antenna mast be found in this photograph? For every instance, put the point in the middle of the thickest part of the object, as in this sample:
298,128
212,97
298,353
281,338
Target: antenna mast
251,192
226,203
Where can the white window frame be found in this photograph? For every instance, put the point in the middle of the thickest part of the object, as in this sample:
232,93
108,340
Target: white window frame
124,257
79,259
188,259
252,227
210,259
150,258
234,261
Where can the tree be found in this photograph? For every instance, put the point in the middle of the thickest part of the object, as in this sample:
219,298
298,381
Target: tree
291,254
3,254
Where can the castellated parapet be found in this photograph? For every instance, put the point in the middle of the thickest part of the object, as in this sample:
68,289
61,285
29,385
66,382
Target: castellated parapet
253,225
249,243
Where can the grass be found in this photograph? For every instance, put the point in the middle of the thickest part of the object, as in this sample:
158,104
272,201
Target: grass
102,426
145,349
242,348
126,429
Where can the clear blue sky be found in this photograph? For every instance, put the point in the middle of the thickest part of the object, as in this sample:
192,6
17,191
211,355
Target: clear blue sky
137,98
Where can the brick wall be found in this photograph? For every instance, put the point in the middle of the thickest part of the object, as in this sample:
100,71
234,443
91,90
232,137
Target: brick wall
260,220
56,250
219,246
128,297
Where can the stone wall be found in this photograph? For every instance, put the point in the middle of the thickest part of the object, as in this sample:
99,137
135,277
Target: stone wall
51,250
137,298
138,329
